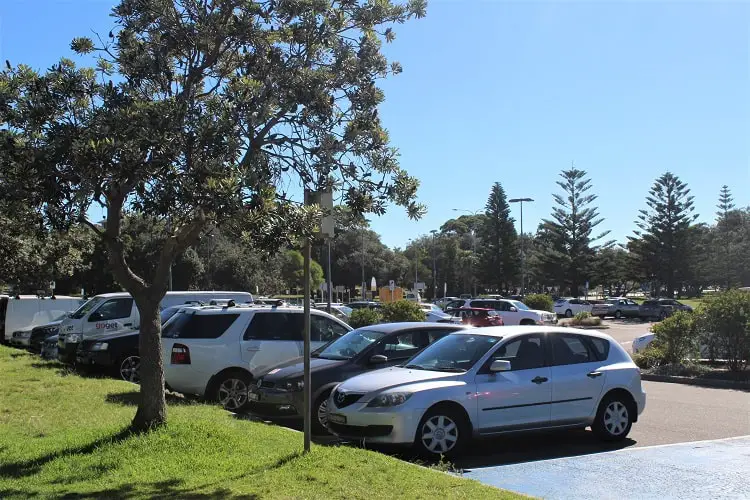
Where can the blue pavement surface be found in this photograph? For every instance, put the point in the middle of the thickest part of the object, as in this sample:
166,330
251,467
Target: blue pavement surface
709,469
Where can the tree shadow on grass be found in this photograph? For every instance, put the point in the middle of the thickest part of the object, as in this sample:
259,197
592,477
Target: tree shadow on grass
134,398
30,467
64,370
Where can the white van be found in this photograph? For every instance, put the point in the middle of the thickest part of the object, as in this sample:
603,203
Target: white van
24,312
117,313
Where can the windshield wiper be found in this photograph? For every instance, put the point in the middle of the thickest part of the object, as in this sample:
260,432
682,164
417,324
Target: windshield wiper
449,369
414,367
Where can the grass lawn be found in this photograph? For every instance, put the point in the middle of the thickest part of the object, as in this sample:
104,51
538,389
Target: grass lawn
62,434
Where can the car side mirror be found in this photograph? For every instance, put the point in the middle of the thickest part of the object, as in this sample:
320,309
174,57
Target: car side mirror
378,359
513,309
500,365
95,316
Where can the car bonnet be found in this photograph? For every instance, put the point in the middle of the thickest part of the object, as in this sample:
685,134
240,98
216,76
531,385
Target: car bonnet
388,378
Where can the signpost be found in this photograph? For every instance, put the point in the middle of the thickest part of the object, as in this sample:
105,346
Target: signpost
391,287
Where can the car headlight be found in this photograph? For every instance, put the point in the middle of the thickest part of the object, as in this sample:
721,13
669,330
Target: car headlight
73,338
294,385
100,346
389,399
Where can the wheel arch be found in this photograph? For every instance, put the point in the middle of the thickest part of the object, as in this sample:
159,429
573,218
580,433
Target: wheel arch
627,397
211,385
322,390
453,405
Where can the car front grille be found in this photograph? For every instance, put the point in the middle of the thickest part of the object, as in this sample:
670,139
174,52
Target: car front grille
344,399
359,431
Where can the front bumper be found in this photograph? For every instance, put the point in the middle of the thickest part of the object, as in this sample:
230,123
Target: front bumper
18,340
98,358
276,404
66,351
396,425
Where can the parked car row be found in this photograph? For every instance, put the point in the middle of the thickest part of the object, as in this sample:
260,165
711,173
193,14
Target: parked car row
513,312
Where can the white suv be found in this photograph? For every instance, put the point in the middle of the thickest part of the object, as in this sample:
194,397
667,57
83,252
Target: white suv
513,312
216,352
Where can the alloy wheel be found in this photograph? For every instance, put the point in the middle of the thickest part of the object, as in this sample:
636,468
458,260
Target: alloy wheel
323,413
616,418
233,394
130,369
618,314
568,313
439,434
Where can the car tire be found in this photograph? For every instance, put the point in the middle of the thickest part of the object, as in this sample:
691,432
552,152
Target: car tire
614,418
568,313
618,314
455,432
230,390
128,368
320,414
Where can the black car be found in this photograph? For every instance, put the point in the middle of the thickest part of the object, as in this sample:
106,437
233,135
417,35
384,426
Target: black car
117,352
41,333
364,305
278,393
661,308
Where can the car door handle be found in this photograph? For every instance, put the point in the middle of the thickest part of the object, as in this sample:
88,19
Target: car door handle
127,324
594,374
539,380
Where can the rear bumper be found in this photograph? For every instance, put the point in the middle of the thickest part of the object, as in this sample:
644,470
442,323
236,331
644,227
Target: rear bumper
276,404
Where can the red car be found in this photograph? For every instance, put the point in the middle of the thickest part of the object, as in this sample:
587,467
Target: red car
475,316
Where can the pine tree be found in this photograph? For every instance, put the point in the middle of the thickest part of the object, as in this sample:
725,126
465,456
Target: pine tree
570,229
664,230
500,255
725,206
726,202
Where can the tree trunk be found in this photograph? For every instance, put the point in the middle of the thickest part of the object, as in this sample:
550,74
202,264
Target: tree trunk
152,410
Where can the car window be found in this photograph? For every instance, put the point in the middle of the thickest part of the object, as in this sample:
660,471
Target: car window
433,335
404,345
574,302
632,303
198,326
324,329
275,326
455,304
114,309
524,353
453,353
570,349
601,347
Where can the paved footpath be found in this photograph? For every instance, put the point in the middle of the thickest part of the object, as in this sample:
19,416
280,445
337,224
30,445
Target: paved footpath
716,469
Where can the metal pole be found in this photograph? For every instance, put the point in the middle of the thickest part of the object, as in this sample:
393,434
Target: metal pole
523,259
330,279
474,251
363,264
306,377
434,268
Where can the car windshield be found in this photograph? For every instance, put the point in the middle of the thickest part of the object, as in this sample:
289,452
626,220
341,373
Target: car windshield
345,310
349,345
520,305
453,353
86,308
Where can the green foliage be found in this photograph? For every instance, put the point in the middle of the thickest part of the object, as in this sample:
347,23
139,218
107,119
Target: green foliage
539,301
293,271
570,249
501,259
725,326
582,316
650,357
402,310
663,235
364,317
677,336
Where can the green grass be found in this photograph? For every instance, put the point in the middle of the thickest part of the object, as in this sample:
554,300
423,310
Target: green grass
62,434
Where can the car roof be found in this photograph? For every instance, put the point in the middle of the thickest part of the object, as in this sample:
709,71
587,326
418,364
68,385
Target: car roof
507,332
475,309
413,325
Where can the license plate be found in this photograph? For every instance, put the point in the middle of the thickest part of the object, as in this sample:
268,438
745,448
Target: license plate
252,396
337,419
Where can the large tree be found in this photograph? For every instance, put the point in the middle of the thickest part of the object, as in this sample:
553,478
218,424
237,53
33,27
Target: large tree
725,206
571,229
197,113
664,230
500,258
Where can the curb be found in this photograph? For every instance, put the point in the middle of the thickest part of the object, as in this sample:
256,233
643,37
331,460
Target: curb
715,384
586,327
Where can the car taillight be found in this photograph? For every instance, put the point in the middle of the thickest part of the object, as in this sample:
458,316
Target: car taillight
180,355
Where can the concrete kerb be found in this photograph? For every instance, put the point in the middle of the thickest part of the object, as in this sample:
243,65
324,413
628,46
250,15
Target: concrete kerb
714,384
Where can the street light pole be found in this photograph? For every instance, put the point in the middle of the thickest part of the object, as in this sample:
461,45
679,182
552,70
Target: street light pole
523,252
434,267
473,243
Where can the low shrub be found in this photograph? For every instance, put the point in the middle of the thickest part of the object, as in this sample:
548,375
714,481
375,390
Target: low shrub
724,327
582,315
650,357
402,310
364,317
582,319
539,301
677,336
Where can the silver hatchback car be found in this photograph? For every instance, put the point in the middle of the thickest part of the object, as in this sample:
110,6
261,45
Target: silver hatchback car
491,381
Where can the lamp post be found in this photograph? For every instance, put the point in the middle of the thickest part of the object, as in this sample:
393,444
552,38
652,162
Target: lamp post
473,242
416,263
434,267
523,252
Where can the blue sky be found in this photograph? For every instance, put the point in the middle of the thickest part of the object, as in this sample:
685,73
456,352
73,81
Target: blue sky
515,91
